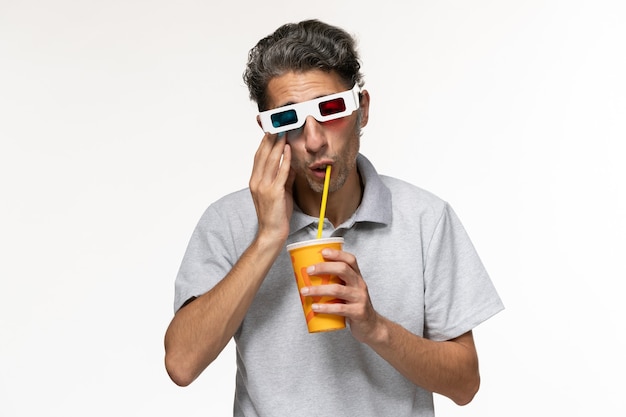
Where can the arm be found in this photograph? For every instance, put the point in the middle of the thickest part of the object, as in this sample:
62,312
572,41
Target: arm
448,368
200,330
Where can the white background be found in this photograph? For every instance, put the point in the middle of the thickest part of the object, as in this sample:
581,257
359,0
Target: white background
120,121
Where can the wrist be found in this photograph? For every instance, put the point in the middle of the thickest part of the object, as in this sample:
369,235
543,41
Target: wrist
379,334
269,242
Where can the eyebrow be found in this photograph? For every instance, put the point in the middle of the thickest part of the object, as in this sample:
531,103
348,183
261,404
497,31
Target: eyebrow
292,102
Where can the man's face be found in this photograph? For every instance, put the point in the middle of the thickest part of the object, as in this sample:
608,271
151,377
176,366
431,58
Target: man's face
316,145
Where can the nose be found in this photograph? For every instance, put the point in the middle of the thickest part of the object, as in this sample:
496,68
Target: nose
313,134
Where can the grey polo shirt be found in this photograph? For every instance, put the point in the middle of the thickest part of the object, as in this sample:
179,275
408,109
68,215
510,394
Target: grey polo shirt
421,270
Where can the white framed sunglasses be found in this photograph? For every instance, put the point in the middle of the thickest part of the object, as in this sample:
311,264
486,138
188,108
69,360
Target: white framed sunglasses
323,109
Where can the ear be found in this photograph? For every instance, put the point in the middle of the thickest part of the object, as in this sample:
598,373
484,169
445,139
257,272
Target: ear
365,107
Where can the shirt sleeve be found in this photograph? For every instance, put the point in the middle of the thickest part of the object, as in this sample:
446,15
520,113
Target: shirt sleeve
459,293
208,258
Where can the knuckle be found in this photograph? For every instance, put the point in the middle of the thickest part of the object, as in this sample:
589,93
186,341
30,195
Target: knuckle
344,268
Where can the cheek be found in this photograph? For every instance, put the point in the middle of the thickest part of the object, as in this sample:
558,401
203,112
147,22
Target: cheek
337,124
298,154
294,134
341,130
345,134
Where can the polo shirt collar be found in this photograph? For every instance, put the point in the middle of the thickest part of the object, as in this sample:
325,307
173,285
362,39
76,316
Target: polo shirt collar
375,205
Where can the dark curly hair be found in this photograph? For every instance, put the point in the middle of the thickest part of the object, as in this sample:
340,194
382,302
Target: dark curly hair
303,46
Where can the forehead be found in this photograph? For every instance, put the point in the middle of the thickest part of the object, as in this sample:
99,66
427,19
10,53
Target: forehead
296,87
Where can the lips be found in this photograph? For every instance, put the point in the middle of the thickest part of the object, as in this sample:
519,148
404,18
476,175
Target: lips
320,165
319,168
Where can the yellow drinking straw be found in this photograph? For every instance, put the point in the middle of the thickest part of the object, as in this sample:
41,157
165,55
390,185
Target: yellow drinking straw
320,225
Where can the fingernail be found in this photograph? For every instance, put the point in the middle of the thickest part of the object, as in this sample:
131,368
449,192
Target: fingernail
315,307
304,291
310,270
326,252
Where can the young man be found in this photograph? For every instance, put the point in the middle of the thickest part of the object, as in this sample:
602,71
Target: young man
414,286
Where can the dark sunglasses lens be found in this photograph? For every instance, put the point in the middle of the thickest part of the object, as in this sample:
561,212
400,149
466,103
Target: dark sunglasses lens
332,106
284,118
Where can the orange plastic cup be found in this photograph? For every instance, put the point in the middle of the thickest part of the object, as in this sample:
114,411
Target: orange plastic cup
303,255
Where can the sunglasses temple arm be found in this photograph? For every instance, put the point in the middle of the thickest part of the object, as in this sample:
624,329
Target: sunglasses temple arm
356,92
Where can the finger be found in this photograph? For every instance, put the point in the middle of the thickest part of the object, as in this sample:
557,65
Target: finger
341,269
261,153
274,159
356,303
339,309
337,291
334,255
267,157
285,175
340,256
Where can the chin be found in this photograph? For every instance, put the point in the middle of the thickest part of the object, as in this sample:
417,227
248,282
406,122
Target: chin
315,186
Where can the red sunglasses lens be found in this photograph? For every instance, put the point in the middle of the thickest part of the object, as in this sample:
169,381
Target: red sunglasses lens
332,106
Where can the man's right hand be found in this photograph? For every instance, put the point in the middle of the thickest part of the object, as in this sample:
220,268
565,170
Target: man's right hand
271,185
